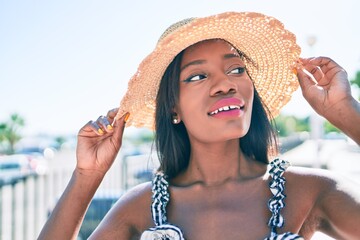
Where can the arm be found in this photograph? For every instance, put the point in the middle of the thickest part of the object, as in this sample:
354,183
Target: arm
67,216
339,205
98,145
128,217
325,86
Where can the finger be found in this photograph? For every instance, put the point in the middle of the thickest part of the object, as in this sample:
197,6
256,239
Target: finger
317,67
119,126
305,79
316,73
104,123
329,68
120,122
112,114
304,61
91,128
322,62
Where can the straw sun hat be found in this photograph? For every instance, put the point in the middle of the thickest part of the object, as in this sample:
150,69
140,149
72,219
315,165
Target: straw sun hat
272,49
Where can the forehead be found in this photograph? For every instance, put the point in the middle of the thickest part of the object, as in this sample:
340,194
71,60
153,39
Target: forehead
218,44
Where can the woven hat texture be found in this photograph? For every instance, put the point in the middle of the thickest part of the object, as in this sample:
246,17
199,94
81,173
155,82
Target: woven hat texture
264,39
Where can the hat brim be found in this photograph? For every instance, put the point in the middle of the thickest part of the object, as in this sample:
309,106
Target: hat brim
264,39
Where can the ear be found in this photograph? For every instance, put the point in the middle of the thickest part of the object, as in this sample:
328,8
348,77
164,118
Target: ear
175,118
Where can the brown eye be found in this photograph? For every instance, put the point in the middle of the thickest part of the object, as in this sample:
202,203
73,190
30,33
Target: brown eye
195,78
238,70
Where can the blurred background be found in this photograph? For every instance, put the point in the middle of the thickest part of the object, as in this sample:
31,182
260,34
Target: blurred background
63,63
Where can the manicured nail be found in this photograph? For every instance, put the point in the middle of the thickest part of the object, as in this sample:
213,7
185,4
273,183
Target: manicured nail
109,127
294,70
100,131
127,115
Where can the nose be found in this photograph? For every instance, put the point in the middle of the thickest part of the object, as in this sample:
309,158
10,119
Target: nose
222,85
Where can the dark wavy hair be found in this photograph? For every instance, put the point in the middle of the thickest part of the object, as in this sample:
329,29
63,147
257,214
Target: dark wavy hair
172,140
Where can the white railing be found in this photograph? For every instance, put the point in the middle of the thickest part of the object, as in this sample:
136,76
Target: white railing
26,203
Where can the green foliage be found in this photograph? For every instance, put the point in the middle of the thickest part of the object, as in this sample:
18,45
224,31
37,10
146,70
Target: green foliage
60,140
10,131
328,127
2,130
287,125
140,136
356,80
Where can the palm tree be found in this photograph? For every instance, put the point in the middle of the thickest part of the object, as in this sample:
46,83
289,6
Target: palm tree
10,131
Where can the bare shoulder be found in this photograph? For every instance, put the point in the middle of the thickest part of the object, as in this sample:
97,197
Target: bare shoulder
319,181
304,186
326,179
321,176
334,199
329,183
129,216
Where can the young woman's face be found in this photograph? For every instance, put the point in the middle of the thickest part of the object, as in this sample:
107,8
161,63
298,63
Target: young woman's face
216,93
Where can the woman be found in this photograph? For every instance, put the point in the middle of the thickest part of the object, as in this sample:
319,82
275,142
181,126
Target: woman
218,74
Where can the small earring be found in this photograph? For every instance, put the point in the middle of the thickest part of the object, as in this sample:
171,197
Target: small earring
175,121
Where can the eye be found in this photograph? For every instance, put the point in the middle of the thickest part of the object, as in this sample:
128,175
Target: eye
238,70
195,78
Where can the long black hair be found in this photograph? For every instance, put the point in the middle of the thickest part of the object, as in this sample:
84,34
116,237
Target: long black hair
172,140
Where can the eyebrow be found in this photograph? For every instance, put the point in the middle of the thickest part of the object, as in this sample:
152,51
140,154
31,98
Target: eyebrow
231,55
198,62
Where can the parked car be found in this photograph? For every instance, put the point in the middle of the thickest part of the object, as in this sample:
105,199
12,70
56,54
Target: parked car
14,167
38,157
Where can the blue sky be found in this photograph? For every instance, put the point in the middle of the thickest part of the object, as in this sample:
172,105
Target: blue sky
63,63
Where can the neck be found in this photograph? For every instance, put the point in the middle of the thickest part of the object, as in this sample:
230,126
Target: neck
215,164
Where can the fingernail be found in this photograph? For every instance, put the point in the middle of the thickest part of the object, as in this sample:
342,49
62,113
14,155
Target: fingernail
127,115
294,70
100,131
109,127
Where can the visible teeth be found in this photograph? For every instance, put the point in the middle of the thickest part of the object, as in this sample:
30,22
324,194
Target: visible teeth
225,108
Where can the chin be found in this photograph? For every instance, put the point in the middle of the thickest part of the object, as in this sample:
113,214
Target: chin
236,134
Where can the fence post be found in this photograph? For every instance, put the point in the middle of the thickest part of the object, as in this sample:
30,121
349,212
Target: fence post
1,210
29,208
124,173
18,209
6,214
41,207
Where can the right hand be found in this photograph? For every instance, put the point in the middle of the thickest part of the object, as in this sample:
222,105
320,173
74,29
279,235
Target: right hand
99,143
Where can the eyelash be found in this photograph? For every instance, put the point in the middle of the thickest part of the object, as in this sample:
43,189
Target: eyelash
241,70
190,79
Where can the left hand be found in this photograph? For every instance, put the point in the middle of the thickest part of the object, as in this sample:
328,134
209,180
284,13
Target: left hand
324,84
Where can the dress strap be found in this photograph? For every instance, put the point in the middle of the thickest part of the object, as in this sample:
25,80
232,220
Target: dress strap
160,199
277,187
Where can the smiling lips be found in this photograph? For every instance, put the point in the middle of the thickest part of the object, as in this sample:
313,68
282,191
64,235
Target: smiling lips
227,107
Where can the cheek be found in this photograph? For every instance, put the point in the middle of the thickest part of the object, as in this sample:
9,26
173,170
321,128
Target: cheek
251,95
250,100
189,102
246,90
191,111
